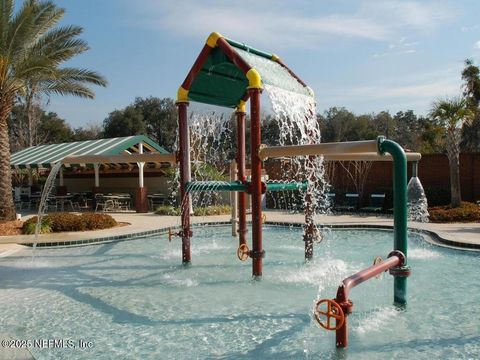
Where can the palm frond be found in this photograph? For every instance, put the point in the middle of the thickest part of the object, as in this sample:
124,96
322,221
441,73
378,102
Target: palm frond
451,113
55,39
68,88
82,75
47,16
6,14
35,49
19,35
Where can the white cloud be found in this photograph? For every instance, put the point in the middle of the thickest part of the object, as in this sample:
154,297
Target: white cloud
477,45
466,28
277,24
423,16
266,28
417,90
401,47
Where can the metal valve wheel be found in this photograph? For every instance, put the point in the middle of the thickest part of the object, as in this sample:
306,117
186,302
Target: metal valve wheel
329,309
243,252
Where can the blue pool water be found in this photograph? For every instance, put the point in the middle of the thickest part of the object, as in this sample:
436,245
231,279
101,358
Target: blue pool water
133,299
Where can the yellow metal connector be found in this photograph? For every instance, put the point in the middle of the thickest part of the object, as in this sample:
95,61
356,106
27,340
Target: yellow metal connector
182,95
241,107
213,38
254,79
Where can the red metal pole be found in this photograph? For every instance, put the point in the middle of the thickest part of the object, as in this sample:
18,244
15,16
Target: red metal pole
184,159
256,188
242,196
310,229
309,232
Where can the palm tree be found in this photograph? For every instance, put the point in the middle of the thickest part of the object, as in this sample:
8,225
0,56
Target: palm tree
452,114
32,48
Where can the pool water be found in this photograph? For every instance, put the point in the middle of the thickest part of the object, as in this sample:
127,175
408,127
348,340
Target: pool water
134,300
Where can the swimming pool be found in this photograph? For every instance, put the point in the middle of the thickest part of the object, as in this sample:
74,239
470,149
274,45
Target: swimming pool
133,299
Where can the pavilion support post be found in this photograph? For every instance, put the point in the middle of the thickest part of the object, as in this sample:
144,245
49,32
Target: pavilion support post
241,158
141,196
257,252
141,200
30,177
61,188
96,169
96,188
184,159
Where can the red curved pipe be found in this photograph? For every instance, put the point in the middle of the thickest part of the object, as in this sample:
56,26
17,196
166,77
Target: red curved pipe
396,258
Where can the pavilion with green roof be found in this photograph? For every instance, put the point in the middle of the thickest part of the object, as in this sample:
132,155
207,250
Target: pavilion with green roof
107,153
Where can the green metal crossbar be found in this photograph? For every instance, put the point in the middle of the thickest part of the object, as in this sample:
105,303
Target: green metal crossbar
287,186
194,186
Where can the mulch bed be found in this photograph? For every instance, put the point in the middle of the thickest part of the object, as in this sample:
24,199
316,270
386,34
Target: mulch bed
11,227
8,228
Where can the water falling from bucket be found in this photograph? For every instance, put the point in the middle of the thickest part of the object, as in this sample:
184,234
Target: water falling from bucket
417,201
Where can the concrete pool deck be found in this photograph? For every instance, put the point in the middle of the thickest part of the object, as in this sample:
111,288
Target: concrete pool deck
458,235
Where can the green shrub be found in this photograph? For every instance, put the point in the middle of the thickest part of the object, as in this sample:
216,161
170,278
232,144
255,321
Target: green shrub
167,210
212,210
59,222
29,226
467,212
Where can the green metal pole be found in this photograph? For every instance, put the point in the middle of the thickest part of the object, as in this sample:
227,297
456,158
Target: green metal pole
399,213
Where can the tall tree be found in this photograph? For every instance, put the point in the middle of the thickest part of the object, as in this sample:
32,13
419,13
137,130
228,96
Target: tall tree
53,130
406,129
452,114
32,49
471,86
335,124
92,131
126,122
471,92
431,136
160,117
384,124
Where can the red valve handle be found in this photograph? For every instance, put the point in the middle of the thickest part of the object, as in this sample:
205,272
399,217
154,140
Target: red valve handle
332,311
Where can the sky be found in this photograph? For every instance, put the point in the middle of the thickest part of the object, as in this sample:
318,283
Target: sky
366,55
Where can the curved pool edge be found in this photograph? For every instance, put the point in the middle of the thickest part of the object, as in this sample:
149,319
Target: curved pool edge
432,238
435,238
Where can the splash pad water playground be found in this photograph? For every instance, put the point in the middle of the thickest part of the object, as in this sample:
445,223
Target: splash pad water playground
223,75
211,308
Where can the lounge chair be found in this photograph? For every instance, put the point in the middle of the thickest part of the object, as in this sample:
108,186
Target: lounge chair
351,203
104,204
376,204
